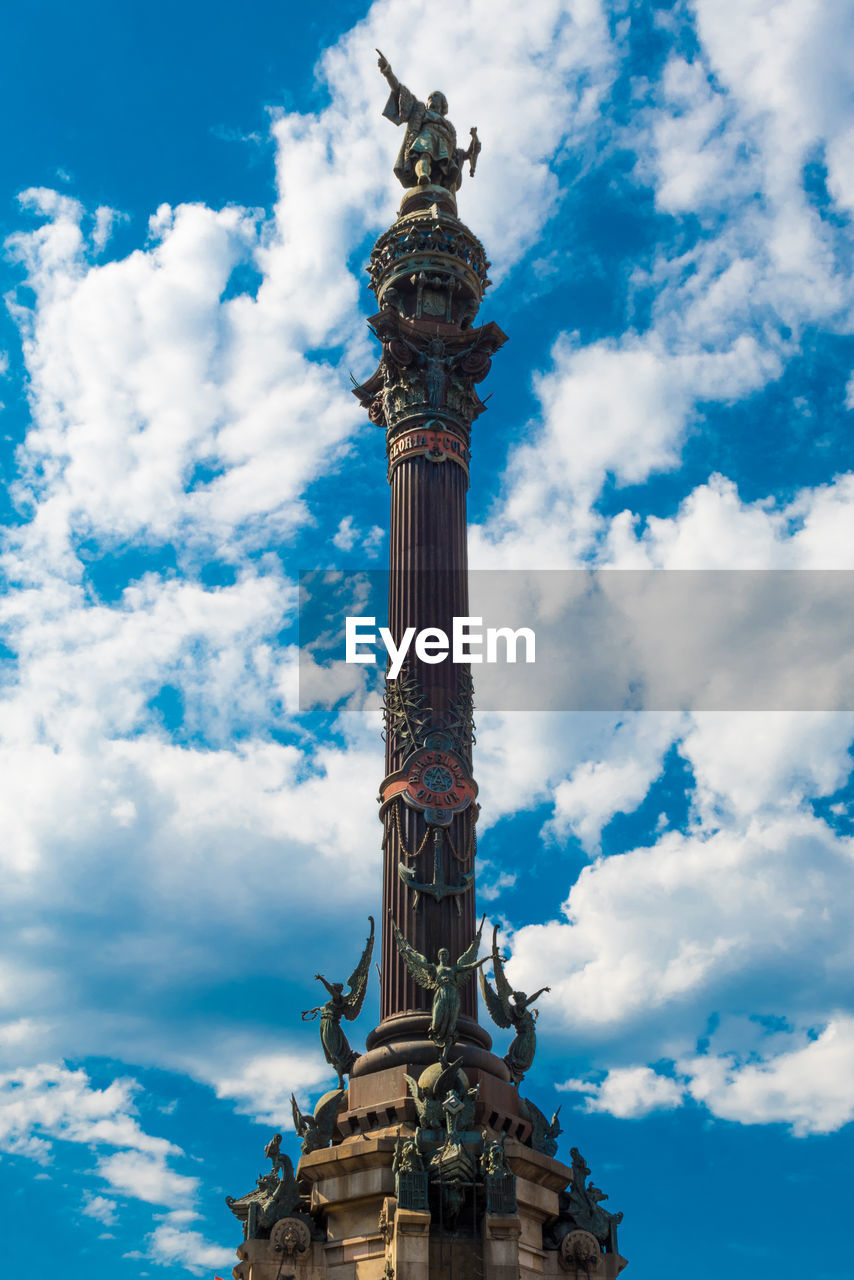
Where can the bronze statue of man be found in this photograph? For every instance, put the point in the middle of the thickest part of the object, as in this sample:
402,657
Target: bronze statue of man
429,155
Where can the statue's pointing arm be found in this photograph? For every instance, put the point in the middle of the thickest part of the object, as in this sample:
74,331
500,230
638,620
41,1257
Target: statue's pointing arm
385,67
401,101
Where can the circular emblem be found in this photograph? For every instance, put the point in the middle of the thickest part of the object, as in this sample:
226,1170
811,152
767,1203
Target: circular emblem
438,778
400,352
290,1236
438,783
580,1249
477,364
435,780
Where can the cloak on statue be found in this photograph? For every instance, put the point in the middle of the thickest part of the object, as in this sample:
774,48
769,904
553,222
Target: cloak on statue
429,133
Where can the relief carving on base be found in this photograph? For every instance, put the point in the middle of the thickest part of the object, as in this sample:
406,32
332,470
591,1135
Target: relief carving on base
580,1253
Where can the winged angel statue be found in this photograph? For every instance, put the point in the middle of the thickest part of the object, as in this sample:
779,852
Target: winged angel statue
336,1048
509,1008
446,980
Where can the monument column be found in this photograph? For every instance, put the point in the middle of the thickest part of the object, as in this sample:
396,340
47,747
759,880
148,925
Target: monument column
429,273
428,1162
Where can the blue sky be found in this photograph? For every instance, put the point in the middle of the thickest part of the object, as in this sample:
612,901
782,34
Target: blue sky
189,195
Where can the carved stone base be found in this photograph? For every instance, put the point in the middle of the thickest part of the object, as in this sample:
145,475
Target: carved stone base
368,1237
381,1102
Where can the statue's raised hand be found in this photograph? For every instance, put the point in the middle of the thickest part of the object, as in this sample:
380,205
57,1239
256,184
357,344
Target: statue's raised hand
385,67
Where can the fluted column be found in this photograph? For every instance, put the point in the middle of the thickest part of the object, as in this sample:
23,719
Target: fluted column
428,586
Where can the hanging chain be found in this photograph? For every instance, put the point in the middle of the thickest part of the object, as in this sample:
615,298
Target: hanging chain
465,857
471,843
398,826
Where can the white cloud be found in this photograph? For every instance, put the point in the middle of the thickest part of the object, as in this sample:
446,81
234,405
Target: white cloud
808,1086
172,1243
586,800
715,529
491,883
349,534
105,220
261,1084
146,1176
723,140
628,1093
795,1078
101,1209
656,937
48,1102
770,762
345,538
43,1105
747,909
616,409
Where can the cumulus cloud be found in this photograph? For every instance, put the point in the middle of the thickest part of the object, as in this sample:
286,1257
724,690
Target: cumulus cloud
797,1078
628,1093
722,139
261,1084
714,528
147,1177
49,1105
54,1102
673,928
101,1208
172,1244
746,910
807,1085
586,800
46,1104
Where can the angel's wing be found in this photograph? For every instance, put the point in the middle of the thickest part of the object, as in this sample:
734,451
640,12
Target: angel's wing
325,1114
358,980
419,966
413,1087
493,1003
446,1079
502,986
299,1118
469,956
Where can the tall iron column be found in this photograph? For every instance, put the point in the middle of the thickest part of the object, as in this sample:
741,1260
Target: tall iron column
429,274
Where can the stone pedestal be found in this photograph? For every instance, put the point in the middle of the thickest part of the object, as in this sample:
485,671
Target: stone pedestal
501,1236
410,1251
368,1237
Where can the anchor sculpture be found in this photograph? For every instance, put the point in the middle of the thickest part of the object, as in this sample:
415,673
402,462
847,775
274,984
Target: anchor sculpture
438,887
